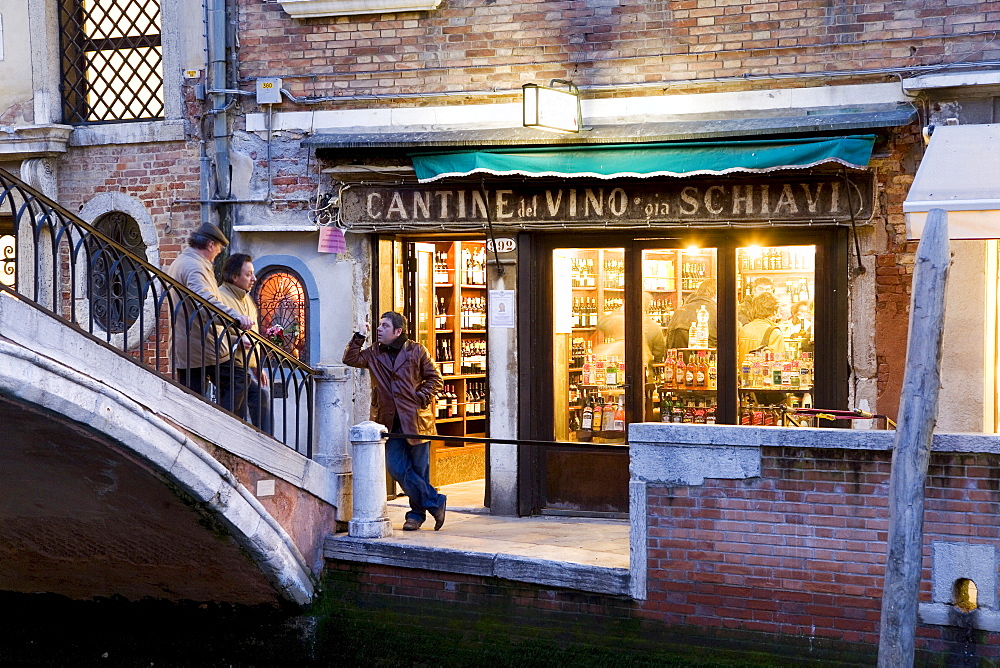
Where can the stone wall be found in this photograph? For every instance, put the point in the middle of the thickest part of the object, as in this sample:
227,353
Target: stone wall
164,178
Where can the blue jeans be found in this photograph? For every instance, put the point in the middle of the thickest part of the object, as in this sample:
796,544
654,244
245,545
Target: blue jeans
259,405
410,466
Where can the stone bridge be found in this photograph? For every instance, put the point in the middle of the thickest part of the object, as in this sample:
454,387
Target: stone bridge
118,482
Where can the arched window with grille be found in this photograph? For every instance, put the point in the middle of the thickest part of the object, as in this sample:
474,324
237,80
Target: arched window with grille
283,304
115,280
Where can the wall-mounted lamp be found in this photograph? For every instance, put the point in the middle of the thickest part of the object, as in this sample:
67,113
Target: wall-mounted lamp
552,108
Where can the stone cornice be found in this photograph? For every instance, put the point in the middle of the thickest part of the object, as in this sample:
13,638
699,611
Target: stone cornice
306,9
33,141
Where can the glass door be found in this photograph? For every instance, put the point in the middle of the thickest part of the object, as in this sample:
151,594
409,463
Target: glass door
446,306
422,305
588,298
680,331
776,289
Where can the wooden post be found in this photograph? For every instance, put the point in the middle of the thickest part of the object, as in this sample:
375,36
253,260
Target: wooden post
911,448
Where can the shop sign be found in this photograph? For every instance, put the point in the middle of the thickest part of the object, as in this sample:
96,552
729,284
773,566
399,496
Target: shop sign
793,199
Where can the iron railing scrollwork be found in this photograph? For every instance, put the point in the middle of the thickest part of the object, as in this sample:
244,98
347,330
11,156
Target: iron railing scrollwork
81,275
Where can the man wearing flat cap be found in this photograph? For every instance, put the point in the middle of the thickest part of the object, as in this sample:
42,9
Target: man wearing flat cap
200,353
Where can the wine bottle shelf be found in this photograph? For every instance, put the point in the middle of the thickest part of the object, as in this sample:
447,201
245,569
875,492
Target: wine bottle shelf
459,336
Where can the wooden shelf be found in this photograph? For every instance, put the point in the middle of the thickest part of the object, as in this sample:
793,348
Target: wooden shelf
777,271
451,461
777,389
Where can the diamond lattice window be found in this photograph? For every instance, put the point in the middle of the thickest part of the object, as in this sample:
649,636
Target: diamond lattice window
112,64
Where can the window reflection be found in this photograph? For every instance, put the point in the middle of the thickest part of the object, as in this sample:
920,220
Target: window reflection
589,344
681,372
775,341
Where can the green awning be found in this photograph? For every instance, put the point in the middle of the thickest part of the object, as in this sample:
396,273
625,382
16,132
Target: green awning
609,161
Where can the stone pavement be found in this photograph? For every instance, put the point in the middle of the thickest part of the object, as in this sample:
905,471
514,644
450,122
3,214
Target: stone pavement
577,553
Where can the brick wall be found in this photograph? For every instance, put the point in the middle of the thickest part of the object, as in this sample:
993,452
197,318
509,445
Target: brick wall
158,175
801,550
164,177
894,261
487,44
379,615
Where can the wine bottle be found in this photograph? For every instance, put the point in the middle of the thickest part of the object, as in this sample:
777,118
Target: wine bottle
598,414
701,372
619,419
609,416
587,423
669,366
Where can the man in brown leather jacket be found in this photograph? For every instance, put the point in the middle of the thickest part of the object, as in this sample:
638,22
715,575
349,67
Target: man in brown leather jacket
404,383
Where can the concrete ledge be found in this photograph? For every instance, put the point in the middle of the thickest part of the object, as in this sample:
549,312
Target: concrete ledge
658,433
31,141
580,577
690,464
142,132
808,437
942,614
307,9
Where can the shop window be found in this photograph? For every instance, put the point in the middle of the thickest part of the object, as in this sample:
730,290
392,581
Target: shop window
115,279
661,347
112,65
8,252
589,344
775,342
681,364
282,301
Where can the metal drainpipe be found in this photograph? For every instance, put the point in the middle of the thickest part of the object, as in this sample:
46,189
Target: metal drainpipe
217,80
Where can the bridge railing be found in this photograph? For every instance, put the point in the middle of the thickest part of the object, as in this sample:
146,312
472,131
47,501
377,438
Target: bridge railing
81,275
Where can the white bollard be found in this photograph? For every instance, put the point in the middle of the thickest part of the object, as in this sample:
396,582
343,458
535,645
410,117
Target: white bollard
370,519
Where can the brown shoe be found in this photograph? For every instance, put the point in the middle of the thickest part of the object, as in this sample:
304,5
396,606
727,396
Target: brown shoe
438,513
411,525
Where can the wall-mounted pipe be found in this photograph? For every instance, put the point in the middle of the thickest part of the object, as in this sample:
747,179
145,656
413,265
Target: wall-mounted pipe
217,84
